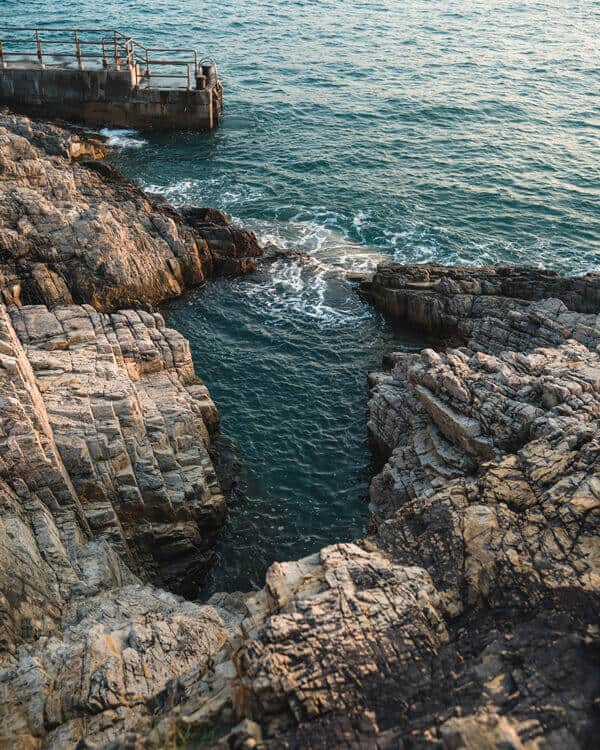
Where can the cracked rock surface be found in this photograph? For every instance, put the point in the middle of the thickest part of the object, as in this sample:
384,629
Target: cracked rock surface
468,618
105,485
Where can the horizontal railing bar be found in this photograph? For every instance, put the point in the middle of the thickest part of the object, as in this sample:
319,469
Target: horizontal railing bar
63,31
142,62
49,58
57,54
55,41
166,75
166,62
173,49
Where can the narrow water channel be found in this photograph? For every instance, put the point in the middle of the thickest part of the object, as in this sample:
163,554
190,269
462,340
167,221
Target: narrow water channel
285,353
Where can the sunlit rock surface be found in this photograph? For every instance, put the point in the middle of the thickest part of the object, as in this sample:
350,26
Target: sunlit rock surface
73,230
467,619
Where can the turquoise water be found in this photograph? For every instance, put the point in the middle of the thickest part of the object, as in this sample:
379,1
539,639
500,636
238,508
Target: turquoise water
353,130
292,392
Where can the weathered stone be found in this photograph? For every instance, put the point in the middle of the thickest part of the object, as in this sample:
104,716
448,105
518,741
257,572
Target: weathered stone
76,231
467,619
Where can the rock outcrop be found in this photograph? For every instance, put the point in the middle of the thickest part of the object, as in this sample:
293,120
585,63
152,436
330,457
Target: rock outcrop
491,485
105,482
452,299
73,230
468,618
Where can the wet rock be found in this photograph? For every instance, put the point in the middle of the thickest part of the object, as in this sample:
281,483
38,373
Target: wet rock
232,249
197,216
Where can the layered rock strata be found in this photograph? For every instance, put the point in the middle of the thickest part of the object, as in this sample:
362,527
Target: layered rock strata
73,230
104,474
492,485
467,619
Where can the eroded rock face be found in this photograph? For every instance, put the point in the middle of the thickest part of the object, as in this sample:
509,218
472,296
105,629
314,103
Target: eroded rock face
451,299
72,231
491,484
105,481
129,421
467,619
116,653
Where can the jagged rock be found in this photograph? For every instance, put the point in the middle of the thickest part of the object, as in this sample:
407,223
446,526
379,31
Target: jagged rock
72,231
104,673
127,417
467,619
490,485
232,249
343,617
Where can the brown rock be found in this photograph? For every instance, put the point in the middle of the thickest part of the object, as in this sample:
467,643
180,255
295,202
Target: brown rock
73,230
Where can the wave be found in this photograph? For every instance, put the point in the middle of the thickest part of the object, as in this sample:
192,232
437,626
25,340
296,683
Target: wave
201,193
179,193
313,285
322,239
309,290
122,138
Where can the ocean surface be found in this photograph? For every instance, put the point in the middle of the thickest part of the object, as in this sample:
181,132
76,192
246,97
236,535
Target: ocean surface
354,130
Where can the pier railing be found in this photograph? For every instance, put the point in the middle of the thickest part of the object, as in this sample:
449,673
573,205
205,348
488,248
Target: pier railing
178,66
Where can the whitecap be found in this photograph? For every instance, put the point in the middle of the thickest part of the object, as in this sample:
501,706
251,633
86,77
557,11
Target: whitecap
123,138
179,193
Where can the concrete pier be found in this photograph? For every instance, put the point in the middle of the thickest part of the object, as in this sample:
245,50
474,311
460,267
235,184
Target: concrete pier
120,83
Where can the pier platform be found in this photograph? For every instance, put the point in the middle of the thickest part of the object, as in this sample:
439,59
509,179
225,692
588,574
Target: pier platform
105,77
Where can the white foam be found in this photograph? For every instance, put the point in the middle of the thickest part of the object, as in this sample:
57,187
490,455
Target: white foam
123,138
324,243
199,192
314,287
179,193
304,288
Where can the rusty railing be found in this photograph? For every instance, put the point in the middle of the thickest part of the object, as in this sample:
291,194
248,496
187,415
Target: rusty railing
106,48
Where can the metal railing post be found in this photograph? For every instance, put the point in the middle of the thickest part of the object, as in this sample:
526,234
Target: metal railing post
189,78
2,58
104,58
78,52
129,46
39,48
147,64
116,45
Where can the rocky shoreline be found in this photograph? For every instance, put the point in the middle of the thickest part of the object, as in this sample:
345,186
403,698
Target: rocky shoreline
468,618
